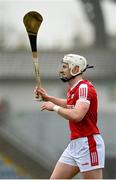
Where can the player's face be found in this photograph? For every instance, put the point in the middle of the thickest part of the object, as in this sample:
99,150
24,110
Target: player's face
64,71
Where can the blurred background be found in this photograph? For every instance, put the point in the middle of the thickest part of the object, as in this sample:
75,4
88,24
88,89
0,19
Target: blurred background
31,141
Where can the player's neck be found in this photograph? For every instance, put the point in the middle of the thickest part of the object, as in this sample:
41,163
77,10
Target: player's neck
72,82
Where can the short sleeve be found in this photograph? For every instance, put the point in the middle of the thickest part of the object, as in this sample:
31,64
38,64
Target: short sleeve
84,95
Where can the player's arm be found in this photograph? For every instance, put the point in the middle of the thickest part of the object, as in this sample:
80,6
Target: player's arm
81,107
57,101
79,111
76,114
46,97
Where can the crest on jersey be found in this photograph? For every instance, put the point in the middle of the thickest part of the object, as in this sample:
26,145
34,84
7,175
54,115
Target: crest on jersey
72,96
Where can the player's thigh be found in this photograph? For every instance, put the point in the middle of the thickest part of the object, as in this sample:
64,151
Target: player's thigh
93,174
64,171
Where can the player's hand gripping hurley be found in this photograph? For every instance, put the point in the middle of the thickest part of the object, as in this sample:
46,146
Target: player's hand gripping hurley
32,21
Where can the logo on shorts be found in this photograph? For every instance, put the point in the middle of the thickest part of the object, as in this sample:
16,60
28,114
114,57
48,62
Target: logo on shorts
85,164
94,158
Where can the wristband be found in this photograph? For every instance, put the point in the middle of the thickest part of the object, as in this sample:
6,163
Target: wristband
56,108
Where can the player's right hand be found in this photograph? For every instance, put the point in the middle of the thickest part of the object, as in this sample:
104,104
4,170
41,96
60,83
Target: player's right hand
42,92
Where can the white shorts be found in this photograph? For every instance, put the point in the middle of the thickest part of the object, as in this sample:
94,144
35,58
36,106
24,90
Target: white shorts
87,153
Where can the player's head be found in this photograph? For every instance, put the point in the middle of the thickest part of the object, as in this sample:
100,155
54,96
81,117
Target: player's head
77,65
74,60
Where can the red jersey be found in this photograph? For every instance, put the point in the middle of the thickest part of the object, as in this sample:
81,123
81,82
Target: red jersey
84,92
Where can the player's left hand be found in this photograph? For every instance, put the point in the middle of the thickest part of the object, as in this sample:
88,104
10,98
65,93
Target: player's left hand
47,106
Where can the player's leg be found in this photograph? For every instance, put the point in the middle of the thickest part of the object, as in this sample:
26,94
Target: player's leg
64,171
94,174
66,167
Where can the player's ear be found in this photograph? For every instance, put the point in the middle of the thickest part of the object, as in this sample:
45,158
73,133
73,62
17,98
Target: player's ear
75,70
